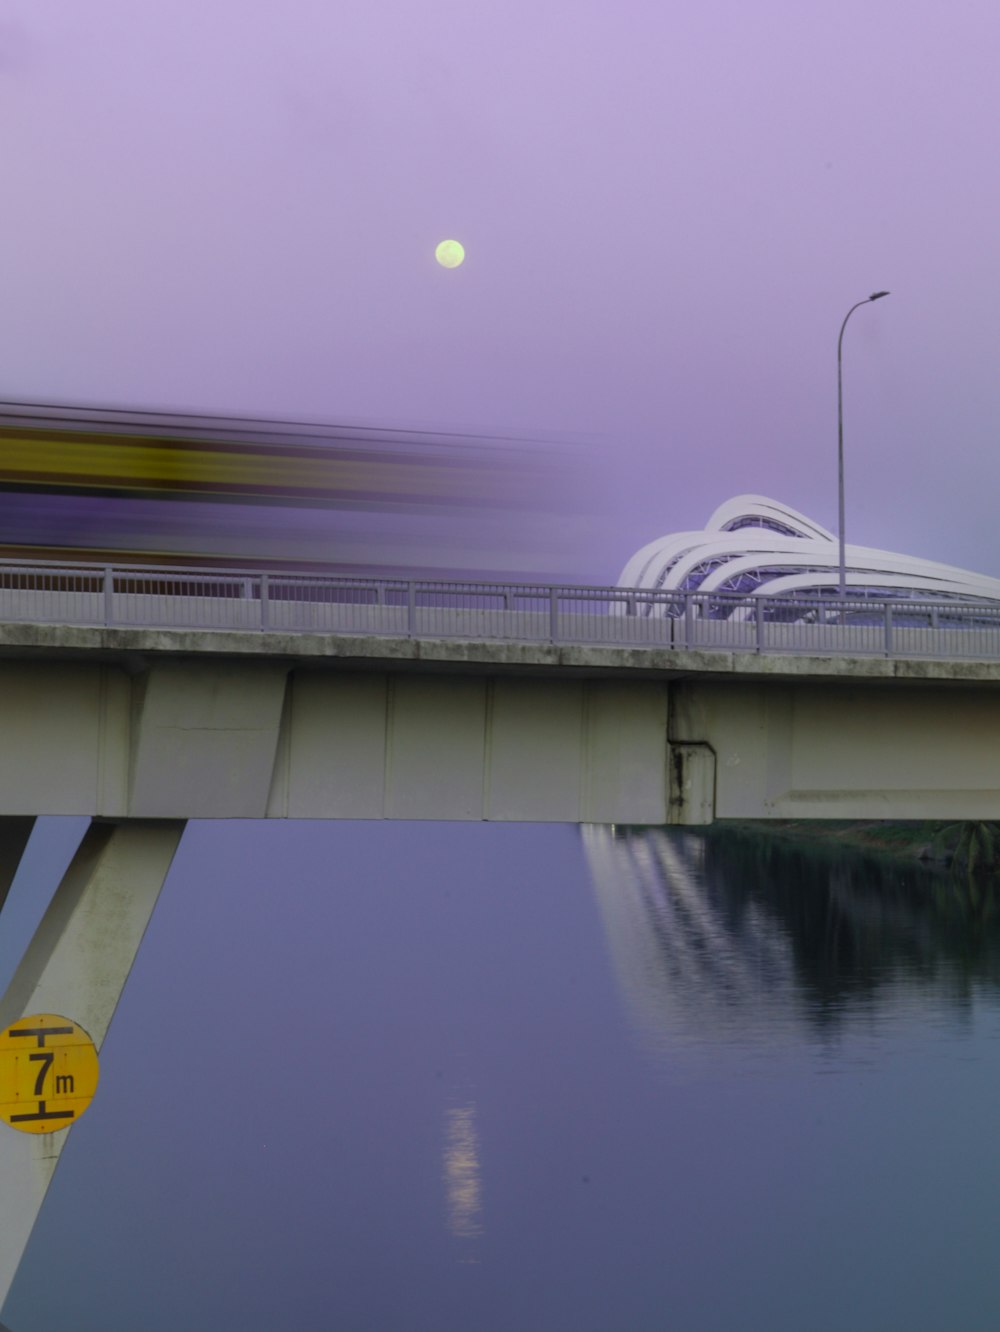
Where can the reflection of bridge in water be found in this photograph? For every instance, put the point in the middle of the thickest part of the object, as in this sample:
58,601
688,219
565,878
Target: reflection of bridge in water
735,937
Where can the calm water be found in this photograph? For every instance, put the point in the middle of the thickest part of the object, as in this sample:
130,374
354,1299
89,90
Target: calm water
525,1079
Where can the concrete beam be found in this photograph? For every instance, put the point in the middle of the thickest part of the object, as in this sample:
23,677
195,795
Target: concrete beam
436,747
136,648
805,750
215,738
139,723
204,739
76,966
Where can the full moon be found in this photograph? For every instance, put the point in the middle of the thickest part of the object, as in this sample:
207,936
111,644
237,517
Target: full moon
450,253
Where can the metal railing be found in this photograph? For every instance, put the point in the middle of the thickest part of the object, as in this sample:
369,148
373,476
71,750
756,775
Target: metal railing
231,599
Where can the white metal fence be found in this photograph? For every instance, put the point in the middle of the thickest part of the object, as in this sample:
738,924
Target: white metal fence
516,612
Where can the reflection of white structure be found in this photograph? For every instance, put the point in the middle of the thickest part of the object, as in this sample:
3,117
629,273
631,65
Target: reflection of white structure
756,545
687,972
703,963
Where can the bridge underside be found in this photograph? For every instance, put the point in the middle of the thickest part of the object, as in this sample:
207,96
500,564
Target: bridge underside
170,725
838,750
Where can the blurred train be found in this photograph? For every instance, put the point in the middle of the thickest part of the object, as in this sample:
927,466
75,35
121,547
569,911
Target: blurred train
156,488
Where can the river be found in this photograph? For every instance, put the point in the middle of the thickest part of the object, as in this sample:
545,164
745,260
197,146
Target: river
475,1078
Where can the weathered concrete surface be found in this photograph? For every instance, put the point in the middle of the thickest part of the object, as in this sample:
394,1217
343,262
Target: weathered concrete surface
883,749
154,723
223,737
133,647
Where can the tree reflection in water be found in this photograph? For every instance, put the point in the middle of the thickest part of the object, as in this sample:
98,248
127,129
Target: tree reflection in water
733,934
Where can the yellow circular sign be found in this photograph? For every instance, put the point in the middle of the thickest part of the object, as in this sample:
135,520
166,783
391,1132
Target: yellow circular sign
48,1073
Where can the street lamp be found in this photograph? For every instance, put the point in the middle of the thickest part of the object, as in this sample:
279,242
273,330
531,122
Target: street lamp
875,296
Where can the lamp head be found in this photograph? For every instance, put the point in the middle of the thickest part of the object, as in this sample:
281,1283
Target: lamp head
877,295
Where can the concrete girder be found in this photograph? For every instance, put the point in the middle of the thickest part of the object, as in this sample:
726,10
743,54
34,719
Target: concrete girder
798,749
76,965
148,724
209,737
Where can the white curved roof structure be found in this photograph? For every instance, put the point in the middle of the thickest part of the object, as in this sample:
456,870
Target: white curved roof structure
754,545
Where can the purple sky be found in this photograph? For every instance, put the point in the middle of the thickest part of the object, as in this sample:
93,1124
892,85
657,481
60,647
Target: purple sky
667,208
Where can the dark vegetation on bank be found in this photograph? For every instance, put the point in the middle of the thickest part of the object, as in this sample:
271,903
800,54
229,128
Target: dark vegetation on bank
952,869
970,846
859,903
858,909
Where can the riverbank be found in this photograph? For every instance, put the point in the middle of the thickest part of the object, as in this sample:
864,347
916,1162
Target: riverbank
931,843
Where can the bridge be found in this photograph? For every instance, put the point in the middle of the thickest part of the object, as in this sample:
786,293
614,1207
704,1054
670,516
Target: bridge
138,694
142,699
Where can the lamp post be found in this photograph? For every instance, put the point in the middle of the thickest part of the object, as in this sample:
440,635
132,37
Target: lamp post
875,296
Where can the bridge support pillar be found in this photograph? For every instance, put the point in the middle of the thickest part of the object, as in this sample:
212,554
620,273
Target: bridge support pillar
14,834
76,965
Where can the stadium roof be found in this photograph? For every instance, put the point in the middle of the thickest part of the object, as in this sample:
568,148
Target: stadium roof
752,544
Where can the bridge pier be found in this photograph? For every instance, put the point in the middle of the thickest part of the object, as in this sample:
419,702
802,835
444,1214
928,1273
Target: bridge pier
14,834
76,965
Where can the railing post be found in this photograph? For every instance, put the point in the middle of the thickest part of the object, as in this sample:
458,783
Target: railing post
888,628
671,612
688,619
759,619
553,615
265,603
109,596
411,609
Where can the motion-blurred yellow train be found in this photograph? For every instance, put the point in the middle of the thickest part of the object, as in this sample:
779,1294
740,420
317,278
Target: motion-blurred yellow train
102,484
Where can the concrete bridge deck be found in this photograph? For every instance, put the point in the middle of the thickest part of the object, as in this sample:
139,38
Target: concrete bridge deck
176,723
